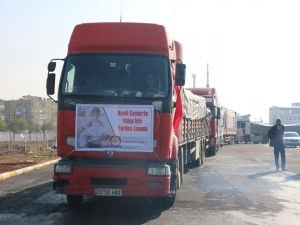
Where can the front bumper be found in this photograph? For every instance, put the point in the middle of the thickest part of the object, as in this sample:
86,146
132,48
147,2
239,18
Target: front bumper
128,176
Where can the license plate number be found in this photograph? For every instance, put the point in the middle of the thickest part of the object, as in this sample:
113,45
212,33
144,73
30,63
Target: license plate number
108,192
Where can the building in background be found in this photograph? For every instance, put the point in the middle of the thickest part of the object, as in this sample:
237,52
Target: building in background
2,109
288,115
36,110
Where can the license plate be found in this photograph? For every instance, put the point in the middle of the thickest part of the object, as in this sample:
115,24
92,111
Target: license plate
108,192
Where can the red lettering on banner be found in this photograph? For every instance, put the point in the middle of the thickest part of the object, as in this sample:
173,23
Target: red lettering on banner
124,128
137,120
139,113
140,129
122,113
128,120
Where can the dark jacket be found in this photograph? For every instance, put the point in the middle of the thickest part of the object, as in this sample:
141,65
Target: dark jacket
275,135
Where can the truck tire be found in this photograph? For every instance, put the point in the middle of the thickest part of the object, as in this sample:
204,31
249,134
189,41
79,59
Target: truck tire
197,162
166,202
74,200
212,151
169,201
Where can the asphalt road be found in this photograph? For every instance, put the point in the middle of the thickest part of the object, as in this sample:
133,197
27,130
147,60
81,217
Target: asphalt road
238,186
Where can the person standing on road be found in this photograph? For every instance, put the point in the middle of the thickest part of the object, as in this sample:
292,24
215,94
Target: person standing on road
275,135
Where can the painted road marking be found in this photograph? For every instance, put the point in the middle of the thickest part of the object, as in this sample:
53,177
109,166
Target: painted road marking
6,175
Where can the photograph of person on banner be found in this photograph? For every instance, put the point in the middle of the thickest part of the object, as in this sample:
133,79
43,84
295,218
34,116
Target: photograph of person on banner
93,134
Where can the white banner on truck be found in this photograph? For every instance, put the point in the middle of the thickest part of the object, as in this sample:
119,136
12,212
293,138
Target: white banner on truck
127,128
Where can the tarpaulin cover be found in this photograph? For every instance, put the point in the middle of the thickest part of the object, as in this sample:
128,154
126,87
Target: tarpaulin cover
194,106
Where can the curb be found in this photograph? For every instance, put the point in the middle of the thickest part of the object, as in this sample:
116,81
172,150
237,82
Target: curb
6,175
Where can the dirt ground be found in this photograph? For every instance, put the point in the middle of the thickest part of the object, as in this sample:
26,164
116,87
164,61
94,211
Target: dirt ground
14,156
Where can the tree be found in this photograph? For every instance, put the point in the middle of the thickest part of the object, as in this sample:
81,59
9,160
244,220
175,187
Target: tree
44,127
32,128
18,125
3,125
47,126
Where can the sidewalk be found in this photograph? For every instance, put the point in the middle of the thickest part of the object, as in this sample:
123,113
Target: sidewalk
6,175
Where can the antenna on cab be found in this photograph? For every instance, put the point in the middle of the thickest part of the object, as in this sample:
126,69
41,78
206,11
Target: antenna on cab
207,76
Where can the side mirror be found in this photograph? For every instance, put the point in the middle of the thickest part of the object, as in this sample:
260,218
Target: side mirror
180,74
50,83
51,66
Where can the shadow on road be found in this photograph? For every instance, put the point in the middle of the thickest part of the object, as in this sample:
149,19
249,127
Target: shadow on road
113,211
42,201
261,174
292,178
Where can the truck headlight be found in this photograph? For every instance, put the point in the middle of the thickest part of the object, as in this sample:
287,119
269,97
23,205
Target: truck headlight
158,170
63,168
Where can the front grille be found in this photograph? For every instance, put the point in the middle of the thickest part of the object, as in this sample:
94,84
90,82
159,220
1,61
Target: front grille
104,182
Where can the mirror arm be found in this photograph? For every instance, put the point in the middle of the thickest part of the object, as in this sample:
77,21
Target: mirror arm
52,99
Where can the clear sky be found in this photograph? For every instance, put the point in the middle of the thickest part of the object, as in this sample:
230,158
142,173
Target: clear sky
252,46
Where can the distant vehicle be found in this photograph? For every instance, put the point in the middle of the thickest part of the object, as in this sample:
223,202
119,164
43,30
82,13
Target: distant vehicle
244,129
229,125
291,139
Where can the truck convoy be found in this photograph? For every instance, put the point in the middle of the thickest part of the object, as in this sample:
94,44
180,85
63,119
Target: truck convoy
116,138
212,103
229,125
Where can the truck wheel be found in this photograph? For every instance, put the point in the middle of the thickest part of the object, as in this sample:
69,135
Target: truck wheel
169,200
165,202
197,162
212,151
74,200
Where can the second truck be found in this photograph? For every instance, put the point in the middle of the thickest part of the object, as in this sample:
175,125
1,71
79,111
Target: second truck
215,123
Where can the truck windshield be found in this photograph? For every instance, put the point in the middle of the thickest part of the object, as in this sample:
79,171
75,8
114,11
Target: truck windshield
116,75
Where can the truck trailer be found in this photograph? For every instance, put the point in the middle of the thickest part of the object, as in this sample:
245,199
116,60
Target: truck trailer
229,125
115,138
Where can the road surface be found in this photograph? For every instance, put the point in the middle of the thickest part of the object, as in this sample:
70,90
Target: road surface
237,186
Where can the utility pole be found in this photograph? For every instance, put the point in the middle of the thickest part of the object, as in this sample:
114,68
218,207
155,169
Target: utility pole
194,80
121,12
207,76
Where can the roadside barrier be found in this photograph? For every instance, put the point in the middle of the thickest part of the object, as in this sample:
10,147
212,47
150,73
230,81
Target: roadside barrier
6,175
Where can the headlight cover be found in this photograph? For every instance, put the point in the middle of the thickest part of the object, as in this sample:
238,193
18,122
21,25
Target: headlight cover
158,170
64,168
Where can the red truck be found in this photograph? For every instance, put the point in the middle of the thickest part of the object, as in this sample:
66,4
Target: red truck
115,137
212,103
